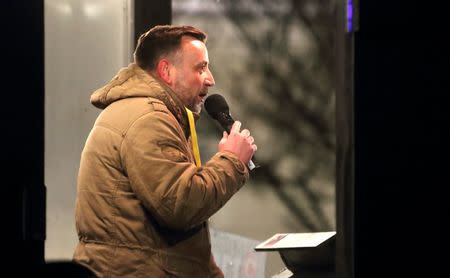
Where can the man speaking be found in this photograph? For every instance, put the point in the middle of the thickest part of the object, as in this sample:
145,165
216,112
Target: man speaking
143,197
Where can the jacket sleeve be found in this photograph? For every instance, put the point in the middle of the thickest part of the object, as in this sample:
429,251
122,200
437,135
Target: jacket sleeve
177,193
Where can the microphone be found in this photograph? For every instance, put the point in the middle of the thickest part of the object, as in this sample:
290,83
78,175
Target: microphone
218,109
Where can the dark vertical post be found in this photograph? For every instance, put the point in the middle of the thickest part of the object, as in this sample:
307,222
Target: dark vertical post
22,180
151,13
346,26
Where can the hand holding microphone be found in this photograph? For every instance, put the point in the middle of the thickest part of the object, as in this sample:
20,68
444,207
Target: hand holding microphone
238,142
241,143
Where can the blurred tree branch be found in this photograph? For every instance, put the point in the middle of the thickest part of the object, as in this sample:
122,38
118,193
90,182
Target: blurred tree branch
292,51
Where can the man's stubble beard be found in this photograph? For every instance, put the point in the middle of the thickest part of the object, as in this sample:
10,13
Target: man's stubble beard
182,93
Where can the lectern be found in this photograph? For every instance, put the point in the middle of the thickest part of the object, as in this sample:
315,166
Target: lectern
305,255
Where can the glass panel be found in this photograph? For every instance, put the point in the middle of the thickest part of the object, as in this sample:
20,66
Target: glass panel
85,43
273,61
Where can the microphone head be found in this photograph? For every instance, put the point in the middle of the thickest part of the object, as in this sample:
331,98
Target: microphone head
216,104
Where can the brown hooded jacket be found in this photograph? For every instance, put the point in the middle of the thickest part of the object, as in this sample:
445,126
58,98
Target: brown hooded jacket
142,204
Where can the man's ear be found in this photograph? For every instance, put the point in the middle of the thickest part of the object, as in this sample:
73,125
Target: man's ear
163,69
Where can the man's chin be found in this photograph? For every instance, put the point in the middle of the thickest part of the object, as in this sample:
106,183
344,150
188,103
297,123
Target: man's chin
196,108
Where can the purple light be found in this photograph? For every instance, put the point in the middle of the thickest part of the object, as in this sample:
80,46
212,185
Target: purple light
349,15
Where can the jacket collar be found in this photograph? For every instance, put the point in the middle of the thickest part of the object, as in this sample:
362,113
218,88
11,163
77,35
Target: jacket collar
133,81
174,104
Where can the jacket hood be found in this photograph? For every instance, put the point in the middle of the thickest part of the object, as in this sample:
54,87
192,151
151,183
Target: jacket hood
133,81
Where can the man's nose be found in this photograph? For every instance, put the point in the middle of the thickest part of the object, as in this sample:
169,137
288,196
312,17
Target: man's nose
209,81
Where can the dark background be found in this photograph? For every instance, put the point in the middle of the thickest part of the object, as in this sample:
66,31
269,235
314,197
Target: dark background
401,122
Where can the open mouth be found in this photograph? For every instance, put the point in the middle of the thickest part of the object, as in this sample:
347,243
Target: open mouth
202,96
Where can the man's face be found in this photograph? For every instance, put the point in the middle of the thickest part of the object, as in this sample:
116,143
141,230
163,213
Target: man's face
192,76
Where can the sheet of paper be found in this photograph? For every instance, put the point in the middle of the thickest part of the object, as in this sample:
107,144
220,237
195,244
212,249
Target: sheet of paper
295,240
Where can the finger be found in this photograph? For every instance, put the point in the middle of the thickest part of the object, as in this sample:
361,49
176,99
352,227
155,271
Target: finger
236,127
254,147
250,139
245,132
224,139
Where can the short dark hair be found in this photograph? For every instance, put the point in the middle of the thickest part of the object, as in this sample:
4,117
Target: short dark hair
162,40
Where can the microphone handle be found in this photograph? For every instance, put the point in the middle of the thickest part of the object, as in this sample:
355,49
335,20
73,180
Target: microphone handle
251,165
